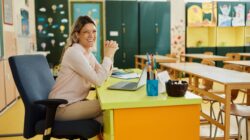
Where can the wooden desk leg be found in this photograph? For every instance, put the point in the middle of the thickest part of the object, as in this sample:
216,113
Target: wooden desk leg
136,62
248,97
143,63
227,112
190,79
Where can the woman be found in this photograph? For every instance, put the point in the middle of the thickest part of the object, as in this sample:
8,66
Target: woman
79,70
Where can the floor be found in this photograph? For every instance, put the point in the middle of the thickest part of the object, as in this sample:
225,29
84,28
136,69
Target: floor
11,121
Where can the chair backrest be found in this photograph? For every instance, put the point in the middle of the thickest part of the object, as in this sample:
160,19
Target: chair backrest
209,53
172,55
234,93
34,81
207,83
233,56
233,67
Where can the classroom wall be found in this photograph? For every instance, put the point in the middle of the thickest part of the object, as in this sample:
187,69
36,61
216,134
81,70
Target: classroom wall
15,41
18,38
178,27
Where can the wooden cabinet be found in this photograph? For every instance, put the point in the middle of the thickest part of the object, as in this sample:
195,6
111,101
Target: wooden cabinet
10,87
201,37
230,37
230,34
247,36
2,87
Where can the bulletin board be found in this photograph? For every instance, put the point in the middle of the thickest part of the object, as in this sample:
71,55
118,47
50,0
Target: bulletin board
52,28
94,10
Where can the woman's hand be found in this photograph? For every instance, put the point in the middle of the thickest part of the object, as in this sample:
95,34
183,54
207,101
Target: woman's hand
110,47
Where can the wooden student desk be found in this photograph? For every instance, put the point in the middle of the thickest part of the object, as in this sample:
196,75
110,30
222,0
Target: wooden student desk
229,78
244,55
140,60
243,63
132,115
203,56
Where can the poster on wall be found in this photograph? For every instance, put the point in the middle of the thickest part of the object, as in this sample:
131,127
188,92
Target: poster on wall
194,13
209,10
24,22
225,14
92,9
247,14
238,14
7,12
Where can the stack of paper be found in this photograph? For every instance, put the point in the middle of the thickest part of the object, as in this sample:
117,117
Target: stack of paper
126,76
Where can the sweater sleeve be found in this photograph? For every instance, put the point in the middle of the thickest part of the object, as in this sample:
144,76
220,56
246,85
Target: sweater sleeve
80,65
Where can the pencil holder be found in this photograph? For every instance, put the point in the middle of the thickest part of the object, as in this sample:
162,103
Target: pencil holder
152,87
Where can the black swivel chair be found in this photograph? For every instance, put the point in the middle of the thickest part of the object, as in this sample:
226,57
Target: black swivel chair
34,81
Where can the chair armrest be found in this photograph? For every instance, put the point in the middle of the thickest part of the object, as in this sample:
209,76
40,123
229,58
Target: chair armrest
51,102
51,106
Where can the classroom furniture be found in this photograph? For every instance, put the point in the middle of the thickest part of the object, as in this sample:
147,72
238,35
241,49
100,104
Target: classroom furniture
2,91
243,63
140,60
133,115
210,27
238,111
203,56
34,82
136,33
229,78
122,26
8,92
154,27
245,55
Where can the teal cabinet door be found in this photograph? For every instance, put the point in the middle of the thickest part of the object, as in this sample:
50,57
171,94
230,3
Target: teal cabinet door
113,28
154,27
147,27
122,26
162,26
130,32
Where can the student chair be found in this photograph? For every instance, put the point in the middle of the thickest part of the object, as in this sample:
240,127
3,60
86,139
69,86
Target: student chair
207,85
238,111
34,81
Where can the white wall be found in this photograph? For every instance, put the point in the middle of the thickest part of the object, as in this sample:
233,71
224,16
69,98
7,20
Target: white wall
20,44
177,27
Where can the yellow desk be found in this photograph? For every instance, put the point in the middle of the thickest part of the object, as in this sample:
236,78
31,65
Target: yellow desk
132,115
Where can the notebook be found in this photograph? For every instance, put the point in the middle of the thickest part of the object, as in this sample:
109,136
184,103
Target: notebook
125,85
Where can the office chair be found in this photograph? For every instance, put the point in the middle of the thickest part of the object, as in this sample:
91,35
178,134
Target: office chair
34,81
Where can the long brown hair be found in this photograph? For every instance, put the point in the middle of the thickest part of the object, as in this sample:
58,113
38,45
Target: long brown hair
76,28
